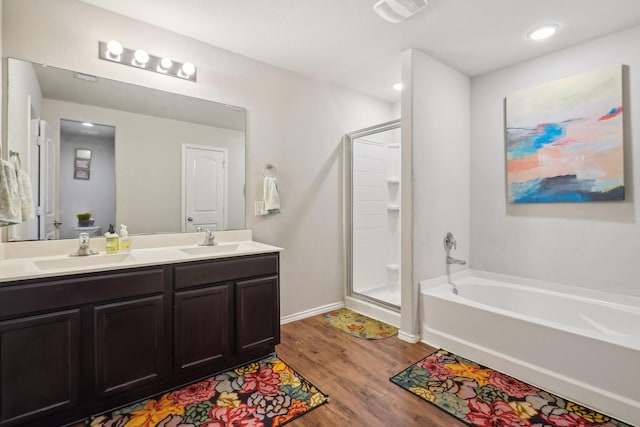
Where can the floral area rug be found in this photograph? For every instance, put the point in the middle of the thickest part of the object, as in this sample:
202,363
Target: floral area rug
262,394
359,325
480,396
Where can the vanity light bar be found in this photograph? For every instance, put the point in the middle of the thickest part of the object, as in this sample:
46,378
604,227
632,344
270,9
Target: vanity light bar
114,51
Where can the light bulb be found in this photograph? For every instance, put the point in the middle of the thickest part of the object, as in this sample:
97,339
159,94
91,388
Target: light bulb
166,63
397,86
114,50
188,68
141,57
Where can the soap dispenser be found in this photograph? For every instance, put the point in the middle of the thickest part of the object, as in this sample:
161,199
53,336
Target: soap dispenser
111,238
125,241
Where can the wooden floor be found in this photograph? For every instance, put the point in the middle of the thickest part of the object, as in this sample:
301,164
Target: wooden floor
355,373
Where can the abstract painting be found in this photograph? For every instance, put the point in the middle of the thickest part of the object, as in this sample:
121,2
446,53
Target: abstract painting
565,140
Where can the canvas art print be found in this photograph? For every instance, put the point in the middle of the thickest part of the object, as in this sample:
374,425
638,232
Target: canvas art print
565,140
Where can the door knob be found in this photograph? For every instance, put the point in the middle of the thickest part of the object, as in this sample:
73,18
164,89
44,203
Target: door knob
57,223
190,219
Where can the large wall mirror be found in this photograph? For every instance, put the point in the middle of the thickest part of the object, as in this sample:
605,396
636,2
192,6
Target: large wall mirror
125,154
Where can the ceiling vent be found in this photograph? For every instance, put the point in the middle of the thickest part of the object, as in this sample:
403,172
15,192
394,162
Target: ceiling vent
396,11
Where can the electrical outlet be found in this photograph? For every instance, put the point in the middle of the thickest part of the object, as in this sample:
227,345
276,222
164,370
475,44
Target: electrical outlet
258,208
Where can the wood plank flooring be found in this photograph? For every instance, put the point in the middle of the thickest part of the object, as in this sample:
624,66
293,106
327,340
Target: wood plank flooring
355,373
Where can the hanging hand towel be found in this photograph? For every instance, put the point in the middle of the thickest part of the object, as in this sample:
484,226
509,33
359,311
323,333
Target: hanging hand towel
10,205
25,193
270,198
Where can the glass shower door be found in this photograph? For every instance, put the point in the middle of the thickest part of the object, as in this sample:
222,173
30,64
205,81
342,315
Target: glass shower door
373,188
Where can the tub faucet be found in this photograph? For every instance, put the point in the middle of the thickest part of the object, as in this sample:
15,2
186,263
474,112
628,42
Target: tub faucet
449,243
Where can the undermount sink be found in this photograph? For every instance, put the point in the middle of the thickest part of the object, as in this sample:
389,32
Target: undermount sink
83,261
214,250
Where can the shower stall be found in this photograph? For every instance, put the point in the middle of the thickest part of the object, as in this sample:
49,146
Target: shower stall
372,217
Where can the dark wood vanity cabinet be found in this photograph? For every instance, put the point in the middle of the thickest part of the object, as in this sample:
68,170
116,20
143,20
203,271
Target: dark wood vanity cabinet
129,346
72,346
202,322
257,314
39,366
226,312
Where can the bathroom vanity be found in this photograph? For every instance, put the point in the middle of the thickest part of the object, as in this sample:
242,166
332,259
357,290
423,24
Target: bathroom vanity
81,336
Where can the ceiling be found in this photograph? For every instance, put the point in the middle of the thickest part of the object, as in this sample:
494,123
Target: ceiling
344,42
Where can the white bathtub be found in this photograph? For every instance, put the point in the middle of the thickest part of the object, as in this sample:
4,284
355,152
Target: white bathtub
581,344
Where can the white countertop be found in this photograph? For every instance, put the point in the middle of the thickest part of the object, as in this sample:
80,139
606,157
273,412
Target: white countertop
37,259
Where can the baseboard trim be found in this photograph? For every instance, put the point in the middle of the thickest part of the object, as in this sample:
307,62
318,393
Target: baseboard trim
412,338
311,312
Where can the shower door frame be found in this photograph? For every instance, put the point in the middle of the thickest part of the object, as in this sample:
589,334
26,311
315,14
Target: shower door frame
348,208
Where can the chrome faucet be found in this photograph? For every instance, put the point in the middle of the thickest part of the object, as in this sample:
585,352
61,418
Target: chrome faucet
449,243
84,249
451,260
209,238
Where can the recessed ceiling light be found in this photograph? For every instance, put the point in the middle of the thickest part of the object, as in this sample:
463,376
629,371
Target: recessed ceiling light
87,124
543,32
397,86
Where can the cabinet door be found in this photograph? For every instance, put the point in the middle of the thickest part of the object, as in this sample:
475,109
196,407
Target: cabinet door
202,328
130,346
257,314
39,366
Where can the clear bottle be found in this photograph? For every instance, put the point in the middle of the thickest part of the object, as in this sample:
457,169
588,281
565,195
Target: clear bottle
125,241
111,240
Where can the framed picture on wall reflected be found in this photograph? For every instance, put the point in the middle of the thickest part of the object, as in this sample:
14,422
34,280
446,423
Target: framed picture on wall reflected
81,174
83,153
82,164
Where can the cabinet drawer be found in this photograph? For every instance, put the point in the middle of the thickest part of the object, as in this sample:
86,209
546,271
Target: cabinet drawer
221,270
74,291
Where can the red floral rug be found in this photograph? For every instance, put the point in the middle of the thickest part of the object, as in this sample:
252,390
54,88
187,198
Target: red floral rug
262,394
480,396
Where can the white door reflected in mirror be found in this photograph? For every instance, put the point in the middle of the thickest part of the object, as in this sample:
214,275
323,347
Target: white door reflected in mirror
204,187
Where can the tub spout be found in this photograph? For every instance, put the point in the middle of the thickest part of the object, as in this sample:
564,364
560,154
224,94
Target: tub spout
451,260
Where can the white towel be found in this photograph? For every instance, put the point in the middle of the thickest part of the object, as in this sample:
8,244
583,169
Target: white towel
25,192
270,198
10,204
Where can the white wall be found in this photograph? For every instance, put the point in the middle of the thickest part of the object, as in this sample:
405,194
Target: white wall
438,131
593,245
293,122
95,195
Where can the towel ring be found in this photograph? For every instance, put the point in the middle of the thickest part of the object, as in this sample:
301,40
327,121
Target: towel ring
270,171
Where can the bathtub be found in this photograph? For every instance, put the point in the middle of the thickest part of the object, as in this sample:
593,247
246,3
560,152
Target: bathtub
581,344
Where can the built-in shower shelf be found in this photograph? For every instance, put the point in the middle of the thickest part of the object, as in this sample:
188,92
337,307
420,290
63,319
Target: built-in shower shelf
393,181
393,208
